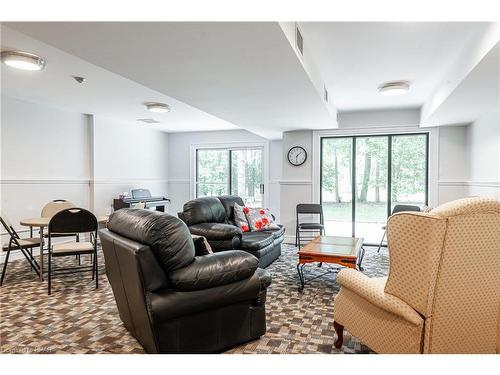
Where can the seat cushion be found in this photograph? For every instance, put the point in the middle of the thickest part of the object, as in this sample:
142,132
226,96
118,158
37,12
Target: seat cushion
379,329
311,226
24,242
253,241
277,233
72,247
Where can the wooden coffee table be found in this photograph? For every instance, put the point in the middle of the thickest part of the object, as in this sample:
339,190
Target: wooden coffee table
344,251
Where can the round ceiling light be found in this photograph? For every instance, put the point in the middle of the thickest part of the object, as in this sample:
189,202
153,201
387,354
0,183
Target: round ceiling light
22,60
158,107
394,88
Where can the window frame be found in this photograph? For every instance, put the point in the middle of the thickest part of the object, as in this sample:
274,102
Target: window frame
389,137
230,146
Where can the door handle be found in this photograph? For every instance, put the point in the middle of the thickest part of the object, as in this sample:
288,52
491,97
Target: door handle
262,188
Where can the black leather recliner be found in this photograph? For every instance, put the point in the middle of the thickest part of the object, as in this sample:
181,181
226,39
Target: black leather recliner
213,218
172,301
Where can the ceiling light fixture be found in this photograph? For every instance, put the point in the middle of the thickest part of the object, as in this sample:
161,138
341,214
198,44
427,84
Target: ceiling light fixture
394,88
158,107
79,79
22,60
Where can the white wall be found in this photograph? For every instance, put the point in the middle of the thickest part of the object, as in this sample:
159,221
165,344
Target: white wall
454,163
296,181
483,143
48,153
469,161
127,156
180,162
379,118
447,162
45,156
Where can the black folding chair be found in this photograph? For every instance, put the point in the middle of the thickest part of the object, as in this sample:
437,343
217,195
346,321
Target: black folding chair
397,208
310,229
26,246
73,221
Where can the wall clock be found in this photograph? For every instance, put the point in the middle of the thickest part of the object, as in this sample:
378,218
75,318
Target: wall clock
297,155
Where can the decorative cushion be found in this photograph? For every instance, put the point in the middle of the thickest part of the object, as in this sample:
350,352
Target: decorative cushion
201,245
240,219
260,219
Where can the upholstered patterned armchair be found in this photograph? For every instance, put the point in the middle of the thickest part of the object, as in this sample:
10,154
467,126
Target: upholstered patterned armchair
442,294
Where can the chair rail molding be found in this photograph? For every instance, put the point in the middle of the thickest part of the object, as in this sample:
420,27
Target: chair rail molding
34,181
470,183
84,181
295,182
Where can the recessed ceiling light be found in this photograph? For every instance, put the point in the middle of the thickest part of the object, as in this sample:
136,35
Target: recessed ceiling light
394,88
79,79
23,60
148,120
158,107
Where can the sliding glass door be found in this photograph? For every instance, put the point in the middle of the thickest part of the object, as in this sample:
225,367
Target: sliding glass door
237,171
336,185
371,187
409,170
363,177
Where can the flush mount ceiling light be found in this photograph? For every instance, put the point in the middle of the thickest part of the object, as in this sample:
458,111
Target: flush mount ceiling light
158,107
22,60
394,88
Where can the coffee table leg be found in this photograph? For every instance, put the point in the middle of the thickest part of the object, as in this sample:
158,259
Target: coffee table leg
361,255
300,270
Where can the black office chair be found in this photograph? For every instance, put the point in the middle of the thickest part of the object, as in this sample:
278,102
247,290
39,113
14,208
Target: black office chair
397,208
26,246
309,228
73,221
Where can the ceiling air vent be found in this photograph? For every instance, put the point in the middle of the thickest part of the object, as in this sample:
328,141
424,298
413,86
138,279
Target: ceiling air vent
299,41
148,120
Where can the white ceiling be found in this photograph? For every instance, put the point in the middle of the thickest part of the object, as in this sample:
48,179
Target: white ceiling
219,75
246,73
105,93
354,58
477,95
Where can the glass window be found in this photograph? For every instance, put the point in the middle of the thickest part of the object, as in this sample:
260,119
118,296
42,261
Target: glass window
237,171
379,171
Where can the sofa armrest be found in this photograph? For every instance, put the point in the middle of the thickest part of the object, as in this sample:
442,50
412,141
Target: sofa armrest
214,270
372,289
215,231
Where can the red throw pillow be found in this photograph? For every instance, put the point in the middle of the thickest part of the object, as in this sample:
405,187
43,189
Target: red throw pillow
260,219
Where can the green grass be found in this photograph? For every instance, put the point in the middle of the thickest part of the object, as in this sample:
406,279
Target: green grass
368,212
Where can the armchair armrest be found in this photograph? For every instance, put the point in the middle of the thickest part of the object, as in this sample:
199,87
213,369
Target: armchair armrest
215,231
214,270
372,289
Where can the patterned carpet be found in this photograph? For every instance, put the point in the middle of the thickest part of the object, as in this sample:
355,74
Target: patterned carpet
79,319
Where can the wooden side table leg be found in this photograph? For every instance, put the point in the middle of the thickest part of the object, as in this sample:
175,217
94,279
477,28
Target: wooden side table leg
339,329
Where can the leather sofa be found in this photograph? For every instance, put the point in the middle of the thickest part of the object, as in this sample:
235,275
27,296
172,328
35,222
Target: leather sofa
213,218
173,301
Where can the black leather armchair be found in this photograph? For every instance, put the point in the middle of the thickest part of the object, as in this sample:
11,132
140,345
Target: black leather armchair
213,218
172,301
